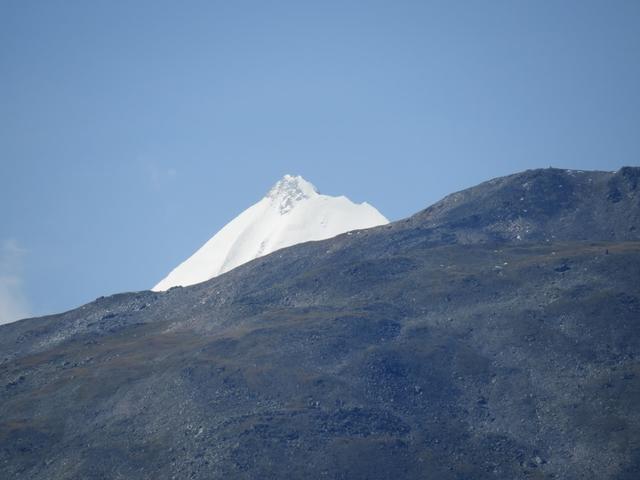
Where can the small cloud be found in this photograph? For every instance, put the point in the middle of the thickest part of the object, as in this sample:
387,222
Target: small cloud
13,301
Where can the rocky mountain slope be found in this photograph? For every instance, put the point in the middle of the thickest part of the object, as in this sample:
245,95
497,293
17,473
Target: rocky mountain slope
493,335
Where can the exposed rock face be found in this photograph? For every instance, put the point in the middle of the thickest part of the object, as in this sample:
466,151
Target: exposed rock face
442,346
543,206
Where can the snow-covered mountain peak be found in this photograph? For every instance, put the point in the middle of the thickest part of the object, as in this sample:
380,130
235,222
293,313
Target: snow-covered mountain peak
290,190
292,212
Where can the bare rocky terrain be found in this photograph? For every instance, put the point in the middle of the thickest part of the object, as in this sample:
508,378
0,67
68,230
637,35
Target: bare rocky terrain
494,335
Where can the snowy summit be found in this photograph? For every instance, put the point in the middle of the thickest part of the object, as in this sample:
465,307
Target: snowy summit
292,212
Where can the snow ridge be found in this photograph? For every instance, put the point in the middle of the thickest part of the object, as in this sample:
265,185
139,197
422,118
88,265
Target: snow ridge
293,211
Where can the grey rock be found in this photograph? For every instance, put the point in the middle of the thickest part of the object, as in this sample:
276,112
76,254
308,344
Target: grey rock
495,335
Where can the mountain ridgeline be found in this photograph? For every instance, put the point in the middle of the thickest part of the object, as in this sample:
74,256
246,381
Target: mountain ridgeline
494,335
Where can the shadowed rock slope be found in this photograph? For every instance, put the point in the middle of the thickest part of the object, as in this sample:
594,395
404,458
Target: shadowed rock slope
493,335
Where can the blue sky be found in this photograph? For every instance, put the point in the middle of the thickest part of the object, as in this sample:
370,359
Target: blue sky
131,131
